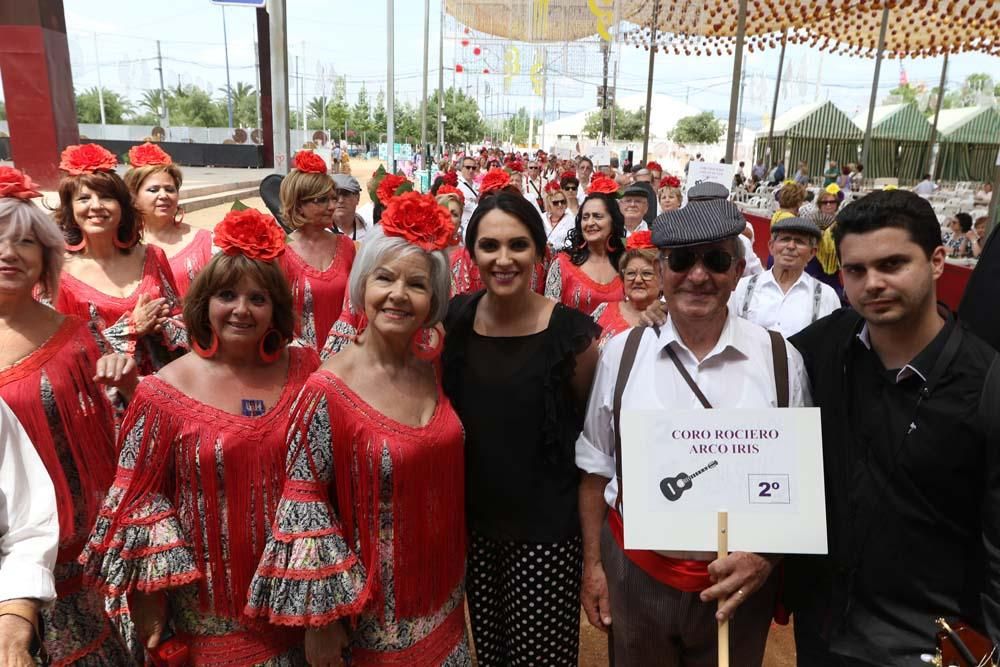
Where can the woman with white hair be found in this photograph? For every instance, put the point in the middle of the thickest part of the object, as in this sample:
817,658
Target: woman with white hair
47,366
376,463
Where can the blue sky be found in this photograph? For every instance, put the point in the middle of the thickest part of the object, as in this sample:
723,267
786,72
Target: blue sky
348,37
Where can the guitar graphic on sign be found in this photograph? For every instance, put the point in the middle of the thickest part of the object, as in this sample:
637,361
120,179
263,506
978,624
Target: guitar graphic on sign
673,488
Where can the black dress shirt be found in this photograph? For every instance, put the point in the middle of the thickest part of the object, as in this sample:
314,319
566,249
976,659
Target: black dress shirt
913,493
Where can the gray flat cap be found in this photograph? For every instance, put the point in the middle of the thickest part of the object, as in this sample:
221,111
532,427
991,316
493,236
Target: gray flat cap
802,225
345,182
635,191
708,190
701,221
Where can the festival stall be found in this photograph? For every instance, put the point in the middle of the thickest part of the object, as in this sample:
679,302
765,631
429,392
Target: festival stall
969,142
898,141
813,133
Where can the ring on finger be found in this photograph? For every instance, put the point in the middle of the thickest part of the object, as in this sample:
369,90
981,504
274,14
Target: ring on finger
740,594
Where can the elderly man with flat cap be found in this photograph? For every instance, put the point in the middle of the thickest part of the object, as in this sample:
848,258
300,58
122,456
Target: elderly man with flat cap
661,607
634,205
786,298
349,222
708,191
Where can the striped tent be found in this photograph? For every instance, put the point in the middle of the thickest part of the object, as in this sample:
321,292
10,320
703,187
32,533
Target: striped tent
899,139
809,133
969,142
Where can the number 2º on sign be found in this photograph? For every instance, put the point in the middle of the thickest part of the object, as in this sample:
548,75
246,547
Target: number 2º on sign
769,489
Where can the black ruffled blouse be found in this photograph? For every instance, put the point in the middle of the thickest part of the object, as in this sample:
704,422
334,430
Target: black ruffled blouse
514,397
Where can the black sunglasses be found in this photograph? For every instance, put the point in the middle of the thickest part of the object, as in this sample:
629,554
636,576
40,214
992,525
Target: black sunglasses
681,260
570,188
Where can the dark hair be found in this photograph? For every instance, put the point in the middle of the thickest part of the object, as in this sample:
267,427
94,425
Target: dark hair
438,182
577,247
225,271
926,177
105,184
587,160
900,209
512,203
568,180
964,221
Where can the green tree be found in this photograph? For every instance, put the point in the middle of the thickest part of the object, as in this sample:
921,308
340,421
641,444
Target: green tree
194,106
151,101
703,128
517,127
464,122
3,111
629,125
360,120
378,114
88,108
244,105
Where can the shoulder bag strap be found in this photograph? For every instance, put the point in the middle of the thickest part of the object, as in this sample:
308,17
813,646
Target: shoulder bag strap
817,297
624,370
748,295
688,379
779,357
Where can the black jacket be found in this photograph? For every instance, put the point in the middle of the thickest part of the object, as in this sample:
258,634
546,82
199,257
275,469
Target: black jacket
913,495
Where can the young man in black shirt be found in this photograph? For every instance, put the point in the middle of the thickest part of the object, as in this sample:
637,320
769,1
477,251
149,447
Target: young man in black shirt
910,403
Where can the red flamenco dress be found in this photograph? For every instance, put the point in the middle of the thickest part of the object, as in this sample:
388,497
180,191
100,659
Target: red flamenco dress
568,284
112,315
71,423
190,511
186,264
362,483
465,277
318,296
609,317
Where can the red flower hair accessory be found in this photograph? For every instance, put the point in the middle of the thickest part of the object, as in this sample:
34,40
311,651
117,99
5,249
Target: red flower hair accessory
148,155
670,182
250,233
419,219
640,240
553,186
447,189
654,166
15,184
450,177
309,162
392,186
600,183
567,174
495,179
515,165
86,159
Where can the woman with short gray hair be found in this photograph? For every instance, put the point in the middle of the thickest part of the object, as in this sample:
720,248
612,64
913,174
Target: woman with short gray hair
374,436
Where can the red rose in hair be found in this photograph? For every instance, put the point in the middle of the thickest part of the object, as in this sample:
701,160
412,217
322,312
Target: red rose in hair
16,184
600,183
451,178
515,165
419,219
553,186
446,189
250,233
148,154
390,187
567,174
654,166
86,159
309,162
495,179
640,240
670,182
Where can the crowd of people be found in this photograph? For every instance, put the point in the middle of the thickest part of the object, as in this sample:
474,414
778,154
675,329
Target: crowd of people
322,446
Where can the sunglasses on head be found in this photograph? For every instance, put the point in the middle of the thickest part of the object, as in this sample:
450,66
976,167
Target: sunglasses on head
680,260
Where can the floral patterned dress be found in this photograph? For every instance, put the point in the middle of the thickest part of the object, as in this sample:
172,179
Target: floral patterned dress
190,512
186,264
112,315
569,285
399,494
71,423
609,317
465,277
318,296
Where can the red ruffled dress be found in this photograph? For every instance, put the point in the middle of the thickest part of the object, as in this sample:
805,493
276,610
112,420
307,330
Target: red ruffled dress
71,423
568,284
609,317
190,512
186,264
318,296
112,315
465,277
362,484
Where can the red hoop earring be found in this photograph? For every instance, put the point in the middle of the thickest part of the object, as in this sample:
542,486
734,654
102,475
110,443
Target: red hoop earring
125,245
177,222
77,247
427,344
607,244
209,352
582,244
270,357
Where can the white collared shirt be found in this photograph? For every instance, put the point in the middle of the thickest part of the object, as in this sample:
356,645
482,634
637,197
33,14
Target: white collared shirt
641,227
29,524
786,312
737,373
753,266
557,234
471,202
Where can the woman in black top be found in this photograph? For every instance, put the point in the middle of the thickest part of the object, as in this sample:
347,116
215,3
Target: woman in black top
518,368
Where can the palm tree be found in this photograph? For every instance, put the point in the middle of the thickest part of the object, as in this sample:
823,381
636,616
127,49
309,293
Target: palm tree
152,102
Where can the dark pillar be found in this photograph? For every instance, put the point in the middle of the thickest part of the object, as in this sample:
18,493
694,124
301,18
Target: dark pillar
38,86
264,58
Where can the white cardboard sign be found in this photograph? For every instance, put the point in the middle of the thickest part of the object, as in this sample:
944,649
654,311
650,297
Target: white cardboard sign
764,467
709,172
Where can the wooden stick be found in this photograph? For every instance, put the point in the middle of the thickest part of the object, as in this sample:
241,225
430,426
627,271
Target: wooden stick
723,625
